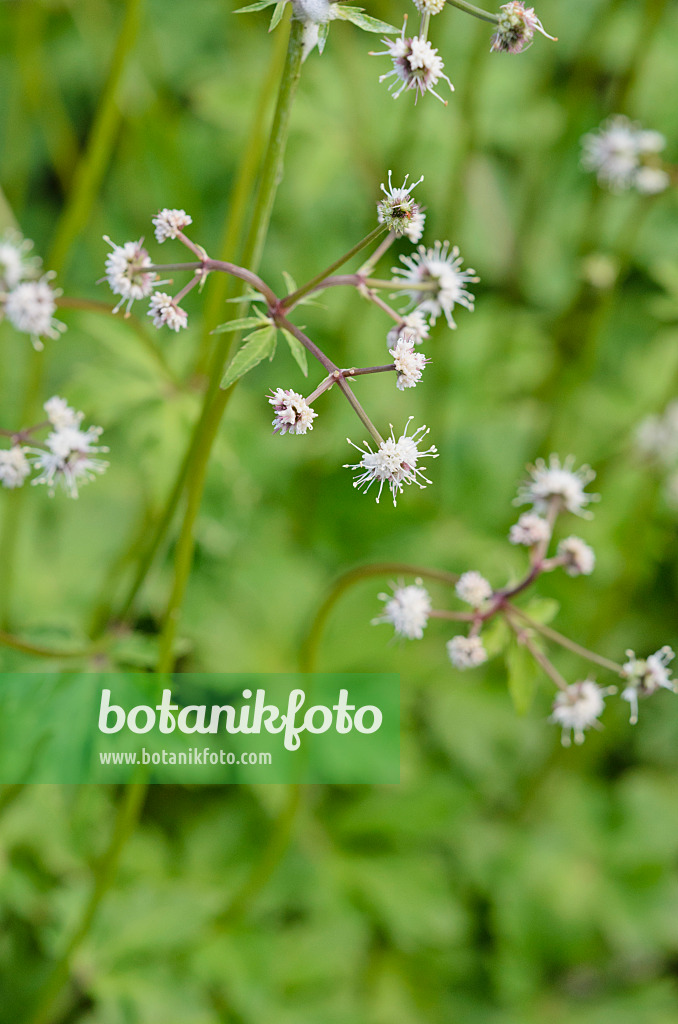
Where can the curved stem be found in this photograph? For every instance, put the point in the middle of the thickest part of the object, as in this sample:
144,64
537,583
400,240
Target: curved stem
523,638
15,643
570,645
309,648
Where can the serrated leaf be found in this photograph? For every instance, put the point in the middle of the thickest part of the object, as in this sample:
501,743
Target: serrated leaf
363,21
256,347
542,609
259,6
277,14
240,324
298,351
522,672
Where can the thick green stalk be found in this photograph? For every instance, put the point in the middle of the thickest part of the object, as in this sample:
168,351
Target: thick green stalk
216,400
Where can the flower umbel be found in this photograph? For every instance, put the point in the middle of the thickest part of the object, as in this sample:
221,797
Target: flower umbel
439,267
466,651
516,27
645,676
168,223
394,462
557,484
293,414
400,212
416,65
407,609
127,272
578,708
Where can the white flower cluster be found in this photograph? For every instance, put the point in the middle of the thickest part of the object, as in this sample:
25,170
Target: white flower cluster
26,298
436,281
516,27
400,212
293,414
657,440
556,486
416,66
68,458
130,274
624,155
578,708
394,462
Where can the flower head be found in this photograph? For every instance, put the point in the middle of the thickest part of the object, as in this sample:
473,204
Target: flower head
293,414
30,308
400,212
166,313
412,328
579,558
60,414
429,6
14,467
650,181
578,708
416,65
394,462
516,27
407,609
557,483
15,263
645,676
127,272
408,363
466,651
473,588
623,156
68,460
168,223
439,271
530,529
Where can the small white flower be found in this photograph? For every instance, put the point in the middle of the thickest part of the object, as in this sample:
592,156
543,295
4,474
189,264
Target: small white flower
14,467
400,212
429,6
293,414
578,708
530,529
68,460
516,27
580,559
473,588
556,482
168,223
30,308
413,328
440,267
466,651
645,676
407,610
649,142
650,181
15,263
166,313
657,436
408,363
394,462
416,65
60,414
127,272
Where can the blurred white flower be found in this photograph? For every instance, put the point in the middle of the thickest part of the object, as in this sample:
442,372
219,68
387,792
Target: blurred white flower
15,263
127,272
69,460
580,559
516,27
416,65
438,268
473,588
60,414
530,529
645,676
168,223
651,180
413,329
578,708
466,651
30,308
556,482
293,414
407,609
14,466
617,152
394,462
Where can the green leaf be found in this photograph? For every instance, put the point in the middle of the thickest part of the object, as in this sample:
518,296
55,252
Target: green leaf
240,324
363,21
496,636
298,351
277,14
542,609
257,346
259,6
522,677
290,283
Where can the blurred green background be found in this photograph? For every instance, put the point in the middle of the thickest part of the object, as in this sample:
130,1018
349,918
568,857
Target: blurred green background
505,881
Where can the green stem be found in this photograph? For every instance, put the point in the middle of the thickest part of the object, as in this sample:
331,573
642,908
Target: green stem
541,659
570,645
216,400
127,817
15,643
346,389
477,12
309,651
291,300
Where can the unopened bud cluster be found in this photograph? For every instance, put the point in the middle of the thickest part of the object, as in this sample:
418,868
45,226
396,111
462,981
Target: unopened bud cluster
551,489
